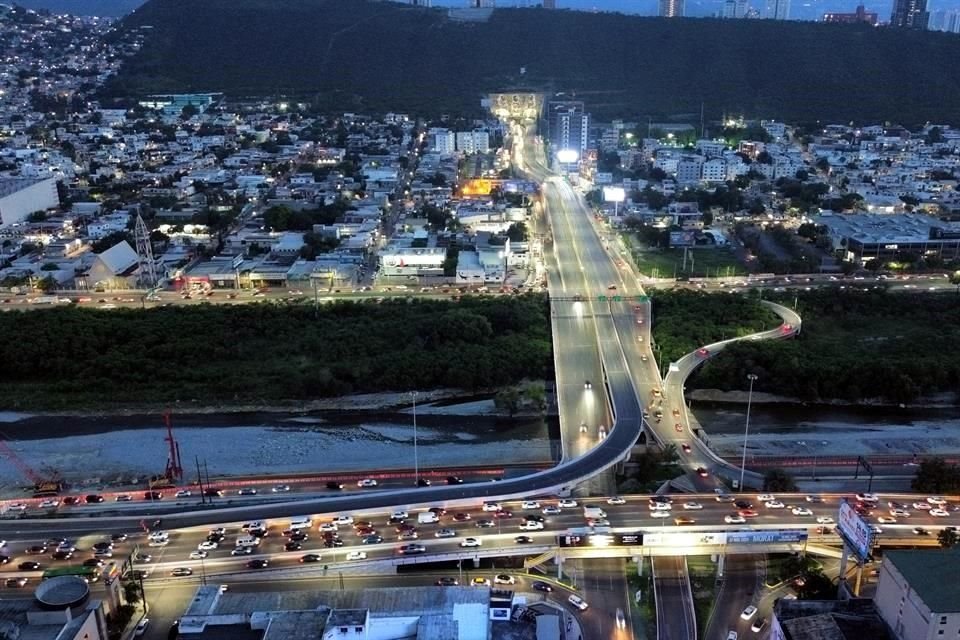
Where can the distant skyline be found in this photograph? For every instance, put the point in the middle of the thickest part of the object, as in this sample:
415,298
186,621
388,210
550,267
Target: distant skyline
799,10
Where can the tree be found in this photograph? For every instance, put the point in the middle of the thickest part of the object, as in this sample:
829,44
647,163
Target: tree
188,112
508,400
131,592
817,586
517,232
48,284
948,538
536,395
779,481
936,476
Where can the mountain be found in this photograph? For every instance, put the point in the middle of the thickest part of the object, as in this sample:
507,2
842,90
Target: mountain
377,56
105,8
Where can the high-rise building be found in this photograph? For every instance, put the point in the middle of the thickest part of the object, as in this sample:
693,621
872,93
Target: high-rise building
549,4
735,8
944,20
568,125
671,8
909,14
860,15
778,9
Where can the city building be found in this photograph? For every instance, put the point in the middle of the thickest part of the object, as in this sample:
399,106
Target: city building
868,236
412,261
19,197
778,9
115,268
860,15
735,8
61,609
671,8
855,619
568,125
549,4
918,594
909,14
944,20
473,141
422,613
443,141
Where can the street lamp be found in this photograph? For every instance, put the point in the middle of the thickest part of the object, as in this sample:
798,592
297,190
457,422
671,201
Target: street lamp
746,429
416,459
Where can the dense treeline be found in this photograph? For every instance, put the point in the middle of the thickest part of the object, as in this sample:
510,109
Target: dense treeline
264,352
855,345
350,55
686,320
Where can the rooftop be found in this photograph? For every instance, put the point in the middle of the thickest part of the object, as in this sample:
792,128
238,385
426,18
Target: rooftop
12,185
932,574
831,620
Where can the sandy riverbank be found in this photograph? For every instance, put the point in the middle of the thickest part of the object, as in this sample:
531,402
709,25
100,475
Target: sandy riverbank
740,397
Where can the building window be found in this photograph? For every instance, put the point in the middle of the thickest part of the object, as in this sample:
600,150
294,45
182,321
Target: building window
358,629
940,633
943,619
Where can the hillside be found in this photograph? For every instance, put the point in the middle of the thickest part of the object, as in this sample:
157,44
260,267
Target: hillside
358,54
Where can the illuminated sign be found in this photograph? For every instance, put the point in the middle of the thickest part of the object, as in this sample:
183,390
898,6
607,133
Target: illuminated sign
766,537
694,539
855,531
477,187
614,194
568,156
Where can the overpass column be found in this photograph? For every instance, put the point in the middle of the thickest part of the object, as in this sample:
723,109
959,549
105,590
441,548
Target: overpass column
721,558
559,567
476,562
639,561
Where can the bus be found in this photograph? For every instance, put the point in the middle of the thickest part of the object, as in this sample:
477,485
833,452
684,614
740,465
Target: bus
90,574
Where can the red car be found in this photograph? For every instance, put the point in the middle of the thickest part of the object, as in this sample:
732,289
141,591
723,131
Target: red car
786,328
748,513
701,472
703,353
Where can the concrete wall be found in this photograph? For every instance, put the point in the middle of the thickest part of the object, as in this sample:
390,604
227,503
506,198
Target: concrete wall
18,205
392,628
901,607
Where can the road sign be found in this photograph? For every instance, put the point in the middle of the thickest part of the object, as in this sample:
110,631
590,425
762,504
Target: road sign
856,532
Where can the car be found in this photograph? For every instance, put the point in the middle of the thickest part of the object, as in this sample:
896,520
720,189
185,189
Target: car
183,493
766,497
551,510
743,504
812,498
723,497
362,555
732,635
280,488
62,555
118,537
16,583
71,500
939,513
454,480
528,525
703,353
241,551
312,557
868,497
758,625
523,540
684,520
616,500
198,555
328,526
774,504
692,506
678,427
660,506
486,524
587,385
29,566
102,546
410,549
333,485
749,612
491,506
409,534
445,533
399,515
539,585
734,519
824,530
93,562
447,581
583,427
461,517
801,511
503,578
480,582
253,524
937,500
922,506
208,545
899,513
824,520
292,545
153,495
920,531
567,503
471,542
143,557
886,520
333,543
404,528
748,513
685,447
258,563
372,539
367,483
36,549
49,503
180,572
621,619
141,627
94,498
702,472
578,602
17,506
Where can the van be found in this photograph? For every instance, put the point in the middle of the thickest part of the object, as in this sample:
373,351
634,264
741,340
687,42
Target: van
248,541
427,517
578,602
301,523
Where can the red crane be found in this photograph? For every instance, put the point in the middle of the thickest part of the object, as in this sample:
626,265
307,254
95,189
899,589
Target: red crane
174,470
42,487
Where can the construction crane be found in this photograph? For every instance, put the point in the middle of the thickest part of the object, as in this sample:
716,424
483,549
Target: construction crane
43,487
174,471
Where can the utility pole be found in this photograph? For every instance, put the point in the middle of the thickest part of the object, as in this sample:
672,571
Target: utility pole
746,429
416,459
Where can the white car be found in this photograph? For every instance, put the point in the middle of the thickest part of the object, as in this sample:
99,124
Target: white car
801,511
692,506
491,506
400,515
567,503
939,513
660,506
660,513
530,504
208,545
922,506
329,526
50,503
578,602
367,482
868,497
357,555
183,493
774,504
470,542
734,519
343,520
17,506
503,578
937,500
253,524
749,612
531,525
616,500
824,520
198,555
598,522
159,535
886,520
766,497
281,488
899,513
142,627
551,510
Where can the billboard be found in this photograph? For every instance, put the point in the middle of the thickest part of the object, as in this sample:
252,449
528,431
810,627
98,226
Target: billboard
681,238
684,539
855,531
766,537
614,194
568,156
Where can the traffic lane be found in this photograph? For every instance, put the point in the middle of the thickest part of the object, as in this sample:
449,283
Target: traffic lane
673,601
604,587
741,580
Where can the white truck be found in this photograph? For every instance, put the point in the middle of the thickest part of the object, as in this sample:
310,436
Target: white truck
427,517
593,512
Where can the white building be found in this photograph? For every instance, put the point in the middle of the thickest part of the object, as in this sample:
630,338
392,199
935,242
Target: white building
918,595
473,141
412,261
689,169
714,170
778,9
19,197
735,8
444,141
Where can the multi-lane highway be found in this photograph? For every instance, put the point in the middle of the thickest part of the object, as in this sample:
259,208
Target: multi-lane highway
676,619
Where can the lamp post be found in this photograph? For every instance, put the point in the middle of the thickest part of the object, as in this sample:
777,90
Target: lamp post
416,459
746,429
